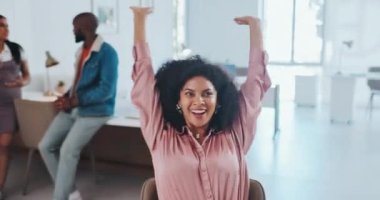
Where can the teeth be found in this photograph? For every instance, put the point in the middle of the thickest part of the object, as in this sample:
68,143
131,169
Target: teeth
198,111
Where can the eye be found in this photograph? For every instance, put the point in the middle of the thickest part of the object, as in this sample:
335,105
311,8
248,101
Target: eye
189,94
208,94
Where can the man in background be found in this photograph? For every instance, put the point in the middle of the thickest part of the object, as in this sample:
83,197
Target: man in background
83,109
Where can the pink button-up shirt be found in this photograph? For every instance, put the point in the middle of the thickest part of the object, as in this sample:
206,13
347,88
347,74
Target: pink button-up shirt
185,169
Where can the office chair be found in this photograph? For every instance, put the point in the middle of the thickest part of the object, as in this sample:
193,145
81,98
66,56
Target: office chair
149,191
373,84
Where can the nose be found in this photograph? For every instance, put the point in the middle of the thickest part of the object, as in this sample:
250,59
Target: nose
199,100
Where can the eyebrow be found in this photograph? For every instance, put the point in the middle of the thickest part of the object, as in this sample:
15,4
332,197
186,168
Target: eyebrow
208,89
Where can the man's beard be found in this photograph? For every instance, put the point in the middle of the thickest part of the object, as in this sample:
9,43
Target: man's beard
79,37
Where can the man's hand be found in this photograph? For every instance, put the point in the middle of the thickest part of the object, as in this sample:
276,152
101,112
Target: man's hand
62,104
66,103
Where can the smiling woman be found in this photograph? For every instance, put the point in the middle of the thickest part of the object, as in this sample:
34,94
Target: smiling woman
194,120
198,104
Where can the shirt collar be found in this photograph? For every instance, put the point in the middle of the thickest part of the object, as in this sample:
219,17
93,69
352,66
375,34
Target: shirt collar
6,49
186,129
97,44
94,47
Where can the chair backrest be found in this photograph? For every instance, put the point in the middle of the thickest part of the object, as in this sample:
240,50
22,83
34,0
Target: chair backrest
149,191
34,117
374,84
256,190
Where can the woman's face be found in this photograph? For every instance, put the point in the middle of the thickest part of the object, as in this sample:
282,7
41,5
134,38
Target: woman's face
198,102
3,29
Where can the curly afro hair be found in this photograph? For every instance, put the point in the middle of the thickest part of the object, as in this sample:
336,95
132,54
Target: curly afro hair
173,75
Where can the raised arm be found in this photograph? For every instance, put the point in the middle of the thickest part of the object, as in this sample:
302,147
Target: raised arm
254,88
256,38
144,96
139,17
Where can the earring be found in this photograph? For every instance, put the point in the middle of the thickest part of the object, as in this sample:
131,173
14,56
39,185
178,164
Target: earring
178,108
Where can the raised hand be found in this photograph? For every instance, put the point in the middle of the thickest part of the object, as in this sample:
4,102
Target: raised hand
140,14
141,11
247,20
256,39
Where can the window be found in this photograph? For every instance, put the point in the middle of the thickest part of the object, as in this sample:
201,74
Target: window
294,31
179,31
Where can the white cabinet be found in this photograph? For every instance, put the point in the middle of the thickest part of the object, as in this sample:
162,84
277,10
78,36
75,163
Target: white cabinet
342,98
306,90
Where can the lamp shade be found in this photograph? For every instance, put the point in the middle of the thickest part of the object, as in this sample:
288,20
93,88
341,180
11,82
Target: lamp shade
50,61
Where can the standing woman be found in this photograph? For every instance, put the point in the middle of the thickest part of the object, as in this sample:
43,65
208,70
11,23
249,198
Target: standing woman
14,74
197,125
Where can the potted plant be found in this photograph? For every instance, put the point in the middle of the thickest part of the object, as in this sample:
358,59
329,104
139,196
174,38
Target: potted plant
60,88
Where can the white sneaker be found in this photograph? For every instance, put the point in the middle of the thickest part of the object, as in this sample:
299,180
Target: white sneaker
75,195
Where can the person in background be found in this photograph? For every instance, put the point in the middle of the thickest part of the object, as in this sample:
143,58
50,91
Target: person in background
194,120
14,74
83,109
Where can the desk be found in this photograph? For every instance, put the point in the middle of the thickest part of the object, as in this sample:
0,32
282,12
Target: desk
119,140
124,121
342,94
37,96
125,116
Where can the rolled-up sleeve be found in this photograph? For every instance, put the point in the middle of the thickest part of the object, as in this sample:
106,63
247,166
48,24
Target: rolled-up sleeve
145,96
251,93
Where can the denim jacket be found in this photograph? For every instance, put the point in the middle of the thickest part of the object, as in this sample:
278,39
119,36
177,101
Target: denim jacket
96,88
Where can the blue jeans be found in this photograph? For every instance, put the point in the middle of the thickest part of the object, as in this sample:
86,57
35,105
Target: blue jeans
67,134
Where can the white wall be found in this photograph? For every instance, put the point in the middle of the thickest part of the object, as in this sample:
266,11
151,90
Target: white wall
355,20
41,25
212,32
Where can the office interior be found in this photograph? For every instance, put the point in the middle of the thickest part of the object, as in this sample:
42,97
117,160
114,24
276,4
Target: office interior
317,135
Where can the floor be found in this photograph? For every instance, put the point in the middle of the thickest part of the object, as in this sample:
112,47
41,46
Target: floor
311,159
113,181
